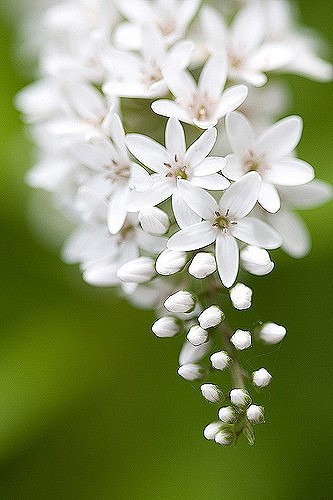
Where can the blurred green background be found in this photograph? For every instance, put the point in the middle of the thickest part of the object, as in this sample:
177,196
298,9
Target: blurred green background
90,402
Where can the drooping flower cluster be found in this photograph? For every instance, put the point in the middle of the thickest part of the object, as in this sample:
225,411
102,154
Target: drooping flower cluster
171,221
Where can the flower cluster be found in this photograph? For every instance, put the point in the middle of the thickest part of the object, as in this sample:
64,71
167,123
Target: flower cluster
171,221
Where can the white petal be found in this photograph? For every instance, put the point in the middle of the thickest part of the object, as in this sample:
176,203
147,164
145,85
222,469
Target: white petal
175,138
117,210
183,214
180,83
179,55
240,132
241,197
140,178
290,172
198,151
201,202
193,237
118,136
256,232
169,108
214,28
214,182
308,195
269,197
248,27
295,235
231,99
281,138
227,258
162,187
270,56
234,168
210,165
149,152
213,76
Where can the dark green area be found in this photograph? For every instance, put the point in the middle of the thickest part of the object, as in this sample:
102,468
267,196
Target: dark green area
91,406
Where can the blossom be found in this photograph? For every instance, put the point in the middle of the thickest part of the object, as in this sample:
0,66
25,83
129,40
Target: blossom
202,265
211,317
271,333
261,378
197,335
241,339
220,360
167,326
211,393
241,296
256,260
223,222
269,155
255,414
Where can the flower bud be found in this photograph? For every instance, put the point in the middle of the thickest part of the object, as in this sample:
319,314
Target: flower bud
210,317
255,414
192,354
202,265
256,260
197,335
191,372
212,393
220,360
211,430
261,378
241,339
167,326
224,437
241,296
240,397
170,262
227,414
153,220
271,333
139,270
180,302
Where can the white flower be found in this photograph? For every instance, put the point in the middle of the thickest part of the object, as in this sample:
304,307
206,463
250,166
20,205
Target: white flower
212,393
220,360
240,397
256,260
269,154
271,333
241,296
241,339
202,265
224,222
211,317
205,103
170,262
211,430
167,326
192,354
180,302
227,415
153,220
224,437
255,414
174,163
197,335
261,378
139,270
191,372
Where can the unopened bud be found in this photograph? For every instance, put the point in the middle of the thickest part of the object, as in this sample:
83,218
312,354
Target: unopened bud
153,220
224,437
261,378
139,270
271,333
227,414
167,326
180,302
202,265
255,414
210,317
212,393
211,430
197,335
241,296
256,260
220,360
241,339
170,262
240,397
191,372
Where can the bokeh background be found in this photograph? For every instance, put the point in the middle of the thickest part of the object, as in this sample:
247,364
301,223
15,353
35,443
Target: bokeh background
91,406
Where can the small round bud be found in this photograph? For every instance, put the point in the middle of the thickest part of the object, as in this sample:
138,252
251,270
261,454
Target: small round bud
153,220
170,262
212,393
241,296
192,354
210,317
180,302
261,378
202,265
224,437
139,270
256,260
191,372
220,360
255,414
167,326
227,414
211,430
271,333
241,339
240,397
197,335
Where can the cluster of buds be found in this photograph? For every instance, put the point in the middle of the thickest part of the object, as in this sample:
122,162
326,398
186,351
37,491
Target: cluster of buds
171,222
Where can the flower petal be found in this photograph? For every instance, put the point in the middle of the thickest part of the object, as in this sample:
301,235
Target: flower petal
213,76
183,214
290,172
240,132
256,232
175,138
308,195
201,202
162,187
295,235
210,165
227,258
234,168
214,182
231,99
193,237
117,209
280,139
165,107
198,151
269,198
149,152
241,197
